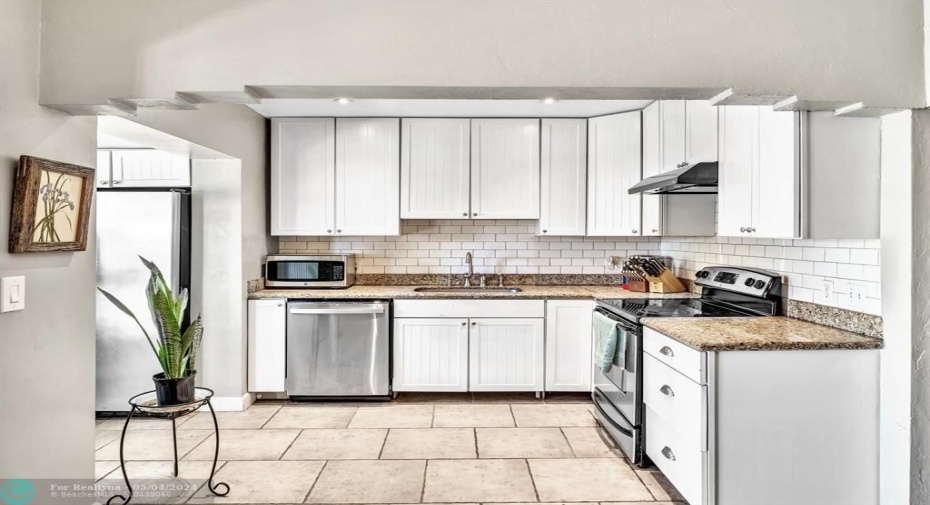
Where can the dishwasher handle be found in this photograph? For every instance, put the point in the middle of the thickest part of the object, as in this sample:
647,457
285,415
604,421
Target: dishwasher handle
342,309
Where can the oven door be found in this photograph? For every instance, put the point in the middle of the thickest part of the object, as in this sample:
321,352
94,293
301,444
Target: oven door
627,437
622,384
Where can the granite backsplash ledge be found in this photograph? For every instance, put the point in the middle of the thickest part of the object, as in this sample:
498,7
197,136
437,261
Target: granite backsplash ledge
858,322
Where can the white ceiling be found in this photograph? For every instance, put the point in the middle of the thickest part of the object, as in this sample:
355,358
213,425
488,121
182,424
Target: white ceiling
306,107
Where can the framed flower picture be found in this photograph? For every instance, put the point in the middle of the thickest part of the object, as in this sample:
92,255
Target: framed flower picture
51,206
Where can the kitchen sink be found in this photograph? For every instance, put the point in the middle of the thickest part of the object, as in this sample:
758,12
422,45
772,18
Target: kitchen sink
469,289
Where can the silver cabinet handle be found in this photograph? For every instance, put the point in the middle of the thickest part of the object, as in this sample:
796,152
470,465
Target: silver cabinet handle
655,230
635,231
336,311
329,231
743,229
279,305
666,390
753,230
666,350
465,214
667,452
463,324
473,323
474,214
338,231
544,231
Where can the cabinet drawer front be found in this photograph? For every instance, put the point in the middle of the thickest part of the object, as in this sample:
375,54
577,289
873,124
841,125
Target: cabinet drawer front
690,362
469,308
683,466
676,397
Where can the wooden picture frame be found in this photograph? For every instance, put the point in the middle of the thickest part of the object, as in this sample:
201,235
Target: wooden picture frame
51,206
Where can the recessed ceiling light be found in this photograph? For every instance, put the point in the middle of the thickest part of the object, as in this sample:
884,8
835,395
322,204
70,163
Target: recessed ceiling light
343,101
549,101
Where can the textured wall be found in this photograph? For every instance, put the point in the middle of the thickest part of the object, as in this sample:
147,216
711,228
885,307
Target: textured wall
47,351
864,50
920,394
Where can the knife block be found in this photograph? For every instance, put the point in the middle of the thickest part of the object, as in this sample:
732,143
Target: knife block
666,282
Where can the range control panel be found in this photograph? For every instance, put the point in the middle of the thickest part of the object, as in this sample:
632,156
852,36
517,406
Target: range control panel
741,280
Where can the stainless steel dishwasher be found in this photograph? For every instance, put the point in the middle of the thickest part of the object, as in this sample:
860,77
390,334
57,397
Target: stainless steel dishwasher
338,349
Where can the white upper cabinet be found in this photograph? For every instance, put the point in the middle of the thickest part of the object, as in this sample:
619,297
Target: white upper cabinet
303,176
652,165
614,165
505,169
673,117
700,131
564,168
142,168
367,176
435,168
759,173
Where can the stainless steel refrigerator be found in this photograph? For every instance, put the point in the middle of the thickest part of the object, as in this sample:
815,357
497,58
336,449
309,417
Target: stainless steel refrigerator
154,224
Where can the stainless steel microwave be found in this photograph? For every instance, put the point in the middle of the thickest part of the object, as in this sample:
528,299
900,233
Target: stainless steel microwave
310,271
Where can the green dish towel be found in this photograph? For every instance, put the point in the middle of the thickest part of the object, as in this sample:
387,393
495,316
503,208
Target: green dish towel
609,344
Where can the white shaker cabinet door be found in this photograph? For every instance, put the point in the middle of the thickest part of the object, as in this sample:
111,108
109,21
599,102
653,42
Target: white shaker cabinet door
614,165
568,345
140,168
435,168
564,169
506,354
267,338
505,168
303,176
776,209
673,116
430,354
700,131
367,176
652,165
739,138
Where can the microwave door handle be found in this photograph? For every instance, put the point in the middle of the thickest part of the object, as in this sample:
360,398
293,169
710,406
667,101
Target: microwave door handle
339,311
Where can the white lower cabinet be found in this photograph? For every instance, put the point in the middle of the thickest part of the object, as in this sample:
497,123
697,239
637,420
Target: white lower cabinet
568,345
505,354
469,345
762,427
431,354
267,340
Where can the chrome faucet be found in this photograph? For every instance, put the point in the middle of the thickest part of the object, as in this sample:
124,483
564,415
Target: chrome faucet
471,270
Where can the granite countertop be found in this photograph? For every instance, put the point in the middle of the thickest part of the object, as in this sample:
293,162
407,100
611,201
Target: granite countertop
758,334
407,292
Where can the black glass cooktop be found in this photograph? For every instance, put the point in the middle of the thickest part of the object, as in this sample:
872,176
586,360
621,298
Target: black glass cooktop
670,307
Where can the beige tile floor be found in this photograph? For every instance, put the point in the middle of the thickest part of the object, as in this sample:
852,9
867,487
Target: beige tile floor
465,449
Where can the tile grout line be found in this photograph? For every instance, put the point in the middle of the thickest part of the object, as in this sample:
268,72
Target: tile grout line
529,470
512,415
568,442
273,415
638,477
281,456
423,488
315,480
387,433
477,452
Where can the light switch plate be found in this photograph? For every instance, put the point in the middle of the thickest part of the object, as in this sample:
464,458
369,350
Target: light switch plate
12,294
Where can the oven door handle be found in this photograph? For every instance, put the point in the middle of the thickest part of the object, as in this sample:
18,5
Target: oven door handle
623,323
597,396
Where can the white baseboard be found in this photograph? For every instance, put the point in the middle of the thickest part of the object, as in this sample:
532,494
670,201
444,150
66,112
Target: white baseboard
232,403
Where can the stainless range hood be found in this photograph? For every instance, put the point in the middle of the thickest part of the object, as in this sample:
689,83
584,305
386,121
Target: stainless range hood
699,178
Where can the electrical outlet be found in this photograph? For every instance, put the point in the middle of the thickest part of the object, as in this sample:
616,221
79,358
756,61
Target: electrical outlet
828,293
856,295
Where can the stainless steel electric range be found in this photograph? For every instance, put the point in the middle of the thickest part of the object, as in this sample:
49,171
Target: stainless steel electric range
618,393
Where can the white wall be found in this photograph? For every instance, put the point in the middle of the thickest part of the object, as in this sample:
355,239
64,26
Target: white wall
216,187
868,50
239,132
920,353
47,360
897,252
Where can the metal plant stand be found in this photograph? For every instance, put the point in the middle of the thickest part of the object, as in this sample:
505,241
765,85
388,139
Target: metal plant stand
146,403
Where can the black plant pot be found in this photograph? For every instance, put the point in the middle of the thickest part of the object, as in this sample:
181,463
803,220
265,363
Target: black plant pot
174,391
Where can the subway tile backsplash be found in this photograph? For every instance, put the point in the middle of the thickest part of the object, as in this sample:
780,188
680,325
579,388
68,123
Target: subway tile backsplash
804,264
511,247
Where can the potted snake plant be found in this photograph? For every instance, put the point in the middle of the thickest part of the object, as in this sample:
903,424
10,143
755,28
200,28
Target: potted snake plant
176,351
